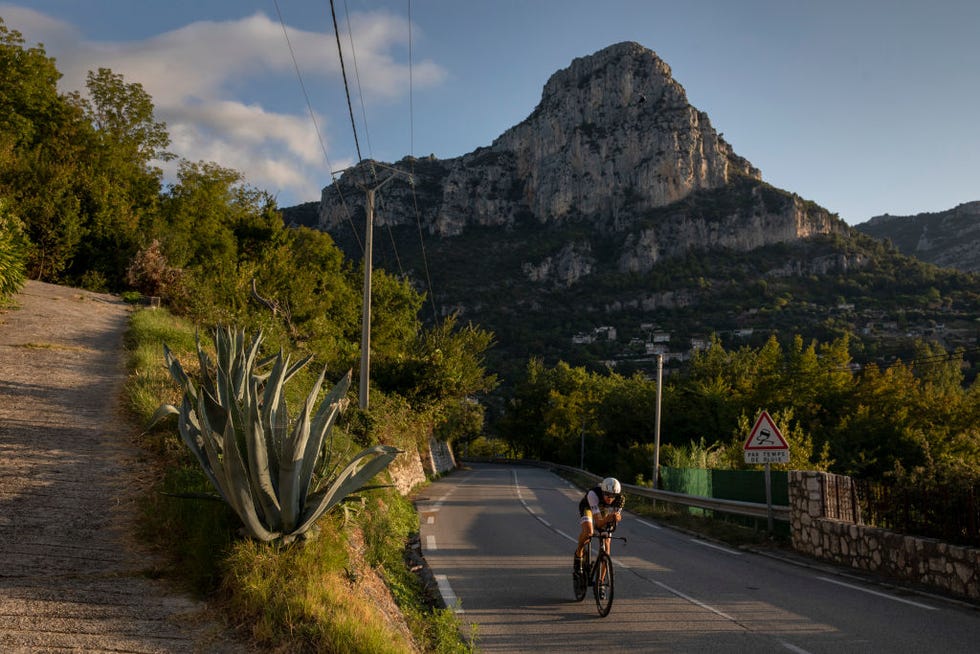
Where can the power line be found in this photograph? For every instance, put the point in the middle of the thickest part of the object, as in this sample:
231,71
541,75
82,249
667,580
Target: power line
316,126
343,72
425,263
357,78
411,131
309,105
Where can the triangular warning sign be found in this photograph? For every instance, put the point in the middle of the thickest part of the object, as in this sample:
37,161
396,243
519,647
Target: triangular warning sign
765,435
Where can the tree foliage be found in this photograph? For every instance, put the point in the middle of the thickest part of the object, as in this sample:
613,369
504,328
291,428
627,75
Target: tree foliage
76,170
12,253
916,417
84,204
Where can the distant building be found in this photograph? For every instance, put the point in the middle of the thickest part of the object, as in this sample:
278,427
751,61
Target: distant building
608,332
605,333
698,344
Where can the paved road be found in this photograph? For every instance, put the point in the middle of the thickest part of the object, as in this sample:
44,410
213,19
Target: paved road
71,578
500,539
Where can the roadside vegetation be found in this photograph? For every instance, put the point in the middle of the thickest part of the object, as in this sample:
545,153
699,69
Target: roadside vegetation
346,590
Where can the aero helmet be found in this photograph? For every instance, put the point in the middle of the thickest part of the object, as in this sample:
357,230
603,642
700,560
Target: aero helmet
611,485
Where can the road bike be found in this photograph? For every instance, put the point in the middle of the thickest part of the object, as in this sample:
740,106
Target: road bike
599,575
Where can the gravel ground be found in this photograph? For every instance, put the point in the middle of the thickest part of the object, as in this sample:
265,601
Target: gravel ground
72,578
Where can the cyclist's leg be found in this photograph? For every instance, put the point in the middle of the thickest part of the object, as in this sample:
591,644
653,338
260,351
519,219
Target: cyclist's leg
585,532
604,546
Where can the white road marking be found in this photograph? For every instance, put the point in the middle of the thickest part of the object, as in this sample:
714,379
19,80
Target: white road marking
430,520
448,596
874,592
649,524
694,601
793,648
430,543
716,547
669,589
561,533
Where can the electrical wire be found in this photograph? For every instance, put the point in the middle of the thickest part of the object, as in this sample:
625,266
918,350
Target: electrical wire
316,126
415,199
343,72
357,78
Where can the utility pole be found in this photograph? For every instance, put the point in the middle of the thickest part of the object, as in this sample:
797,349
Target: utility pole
656,429
369,191
366,305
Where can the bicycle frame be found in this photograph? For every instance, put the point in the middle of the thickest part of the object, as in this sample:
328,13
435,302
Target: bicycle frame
599,575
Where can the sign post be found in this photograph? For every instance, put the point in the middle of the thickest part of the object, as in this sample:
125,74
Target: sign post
766,445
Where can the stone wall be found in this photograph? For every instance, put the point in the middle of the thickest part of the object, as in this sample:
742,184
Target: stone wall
440,459
831,530
406,471
409,469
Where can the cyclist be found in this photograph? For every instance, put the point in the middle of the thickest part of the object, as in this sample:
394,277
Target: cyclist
602,507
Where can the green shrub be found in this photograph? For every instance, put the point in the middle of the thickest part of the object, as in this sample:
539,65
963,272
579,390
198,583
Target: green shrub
13,253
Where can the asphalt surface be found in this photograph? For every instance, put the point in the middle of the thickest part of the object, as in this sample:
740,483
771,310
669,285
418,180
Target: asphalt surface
499,540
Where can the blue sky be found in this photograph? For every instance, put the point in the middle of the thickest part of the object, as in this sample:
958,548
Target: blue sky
863,106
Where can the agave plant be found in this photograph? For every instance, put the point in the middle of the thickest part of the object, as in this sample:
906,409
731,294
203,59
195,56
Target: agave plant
270,470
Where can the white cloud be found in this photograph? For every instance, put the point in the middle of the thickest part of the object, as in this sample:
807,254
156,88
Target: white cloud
194,73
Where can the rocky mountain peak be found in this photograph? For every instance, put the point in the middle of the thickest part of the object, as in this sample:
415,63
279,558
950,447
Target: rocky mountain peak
613,147
614,130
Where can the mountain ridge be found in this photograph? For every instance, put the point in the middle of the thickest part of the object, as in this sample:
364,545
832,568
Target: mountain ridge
616,204
612,139
950,238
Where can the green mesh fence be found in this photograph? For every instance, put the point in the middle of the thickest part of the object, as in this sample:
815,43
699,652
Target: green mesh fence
743,485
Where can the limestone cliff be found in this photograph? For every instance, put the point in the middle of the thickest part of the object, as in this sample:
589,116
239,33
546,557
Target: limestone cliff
614,145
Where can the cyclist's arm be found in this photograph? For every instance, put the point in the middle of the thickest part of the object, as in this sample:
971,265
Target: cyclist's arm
594,503
611,515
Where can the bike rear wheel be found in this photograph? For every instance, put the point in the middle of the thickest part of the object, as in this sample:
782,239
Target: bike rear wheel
580,579
602,579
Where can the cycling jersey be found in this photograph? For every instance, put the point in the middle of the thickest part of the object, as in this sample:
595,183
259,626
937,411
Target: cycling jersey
592,503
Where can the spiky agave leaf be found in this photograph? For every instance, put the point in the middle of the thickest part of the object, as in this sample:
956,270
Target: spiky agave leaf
291,463
231,477
355,475
237,426
331,407
259,469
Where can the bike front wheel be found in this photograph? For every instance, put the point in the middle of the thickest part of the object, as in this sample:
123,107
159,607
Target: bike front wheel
603,583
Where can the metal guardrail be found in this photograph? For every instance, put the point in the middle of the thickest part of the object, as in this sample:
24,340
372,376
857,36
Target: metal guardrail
735,507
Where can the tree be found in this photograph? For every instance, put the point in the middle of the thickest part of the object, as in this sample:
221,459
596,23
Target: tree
43,136
198,214
121,187
122,114
445,363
